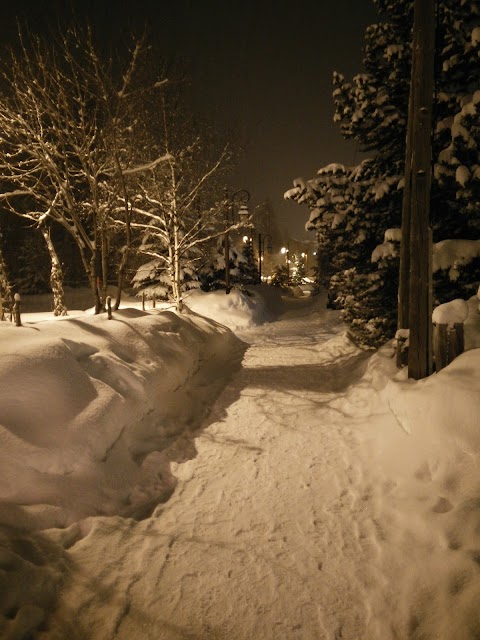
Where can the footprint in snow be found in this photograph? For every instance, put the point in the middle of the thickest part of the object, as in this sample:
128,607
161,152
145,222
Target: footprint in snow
442,506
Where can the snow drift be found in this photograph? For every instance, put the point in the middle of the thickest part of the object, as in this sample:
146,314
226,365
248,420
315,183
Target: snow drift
85,401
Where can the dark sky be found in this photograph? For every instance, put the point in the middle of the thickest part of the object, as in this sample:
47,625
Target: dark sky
263,67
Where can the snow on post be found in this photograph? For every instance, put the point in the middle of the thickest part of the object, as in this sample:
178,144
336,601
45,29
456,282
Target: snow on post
448,333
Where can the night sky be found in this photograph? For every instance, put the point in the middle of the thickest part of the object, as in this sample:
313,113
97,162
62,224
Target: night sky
262,68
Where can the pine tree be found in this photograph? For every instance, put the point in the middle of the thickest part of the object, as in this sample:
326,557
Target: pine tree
212,273
248,269
298,269
352,207
280,276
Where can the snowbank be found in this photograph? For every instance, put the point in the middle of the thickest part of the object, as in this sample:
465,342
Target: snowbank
85,401
95,415
237,310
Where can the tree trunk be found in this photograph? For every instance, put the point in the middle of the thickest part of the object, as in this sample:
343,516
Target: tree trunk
176,266
94,276
178,284
122,267
5,290
56,275
104,247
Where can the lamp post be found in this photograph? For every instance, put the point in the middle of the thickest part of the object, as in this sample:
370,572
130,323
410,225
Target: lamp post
286,252
261,250
240,197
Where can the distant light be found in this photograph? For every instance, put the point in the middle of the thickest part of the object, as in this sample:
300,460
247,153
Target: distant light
245,238
304,255
283,250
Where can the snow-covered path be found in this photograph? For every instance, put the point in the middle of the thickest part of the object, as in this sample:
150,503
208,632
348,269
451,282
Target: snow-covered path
281,527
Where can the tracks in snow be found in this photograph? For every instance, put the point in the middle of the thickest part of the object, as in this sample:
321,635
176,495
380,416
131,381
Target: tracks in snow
282,527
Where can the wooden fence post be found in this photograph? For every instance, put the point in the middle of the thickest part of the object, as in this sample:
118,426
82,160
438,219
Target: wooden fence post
448,343
16,310
440,345
109,307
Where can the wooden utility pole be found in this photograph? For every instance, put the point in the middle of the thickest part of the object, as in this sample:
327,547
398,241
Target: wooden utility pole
415,269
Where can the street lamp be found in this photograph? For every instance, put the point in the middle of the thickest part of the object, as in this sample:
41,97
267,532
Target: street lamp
261,250
286,252
240,197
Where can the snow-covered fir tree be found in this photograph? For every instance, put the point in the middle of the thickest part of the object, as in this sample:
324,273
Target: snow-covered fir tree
248,269
279,276
153,280
33,266
352,207
299,271
212,272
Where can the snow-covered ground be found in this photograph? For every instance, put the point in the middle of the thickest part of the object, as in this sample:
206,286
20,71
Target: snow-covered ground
154,485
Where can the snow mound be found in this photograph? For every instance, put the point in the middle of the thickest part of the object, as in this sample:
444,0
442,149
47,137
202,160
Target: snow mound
236,310
84,402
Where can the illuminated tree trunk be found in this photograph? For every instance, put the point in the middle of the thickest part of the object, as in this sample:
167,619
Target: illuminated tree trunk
5,290
56,275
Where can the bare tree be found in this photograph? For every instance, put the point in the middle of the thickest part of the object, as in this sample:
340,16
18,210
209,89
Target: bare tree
177,207
65,123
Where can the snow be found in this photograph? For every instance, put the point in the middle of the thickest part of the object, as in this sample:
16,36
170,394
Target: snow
235,310
451,313
383,251
462,175
451,254
387,249
154,485
476,36
393,235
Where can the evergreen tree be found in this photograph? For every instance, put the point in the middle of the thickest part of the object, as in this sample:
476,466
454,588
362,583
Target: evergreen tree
248,268
299,272
212,273
352,207
33,271
280,276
